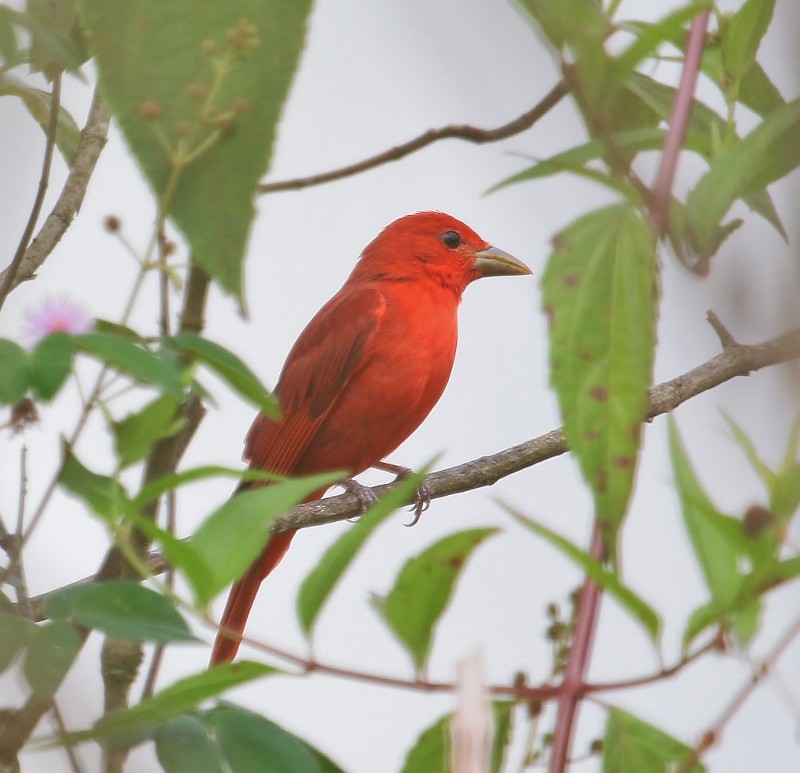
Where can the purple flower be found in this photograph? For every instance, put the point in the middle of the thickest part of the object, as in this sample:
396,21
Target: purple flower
53,316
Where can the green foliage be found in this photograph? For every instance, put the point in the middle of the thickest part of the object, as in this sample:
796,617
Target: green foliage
422,590
321,581
631,744
120,609
607,579
49,656
431,752
600,293
198,100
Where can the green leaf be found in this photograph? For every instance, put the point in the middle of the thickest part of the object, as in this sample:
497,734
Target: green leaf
184,746
431,752
124,610
179,553
104,495
422,590
503,726
38,102
50,655
15,634
229,367
135,436
322,579
717,539
13,372
769,152
51,363
185,695
638,608
232,537
633,745
758,93
9,45
600,293
210,90
135,361
53,47
742,35
156,488
250,742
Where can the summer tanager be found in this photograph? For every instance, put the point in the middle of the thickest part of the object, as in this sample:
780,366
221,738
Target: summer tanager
367,369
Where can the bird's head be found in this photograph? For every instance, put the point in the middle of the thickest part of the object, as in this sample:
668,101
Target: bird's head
437,246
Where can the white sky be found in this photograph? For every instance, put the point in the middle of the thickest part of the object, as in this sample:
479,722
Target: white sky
373,76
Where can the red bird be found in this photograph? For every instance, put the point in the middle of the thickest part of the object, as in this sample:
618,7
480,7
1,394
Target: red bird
366,370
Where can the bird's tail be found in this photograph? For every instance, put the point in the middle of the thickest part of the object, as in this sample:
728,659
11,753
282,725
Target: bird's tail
241,598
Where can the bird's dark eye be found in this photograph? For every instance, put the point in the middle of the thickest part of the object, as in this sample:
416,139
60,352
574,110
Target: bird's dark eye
451,239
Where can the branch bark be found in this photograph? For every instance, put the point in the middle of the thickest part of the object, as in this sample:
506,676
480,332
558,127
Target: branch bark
93,140
456,131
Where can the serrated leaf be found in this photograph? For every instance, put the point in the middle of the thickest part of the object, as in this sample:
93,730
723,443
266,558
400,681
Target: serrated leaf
232,537
50,364
600,293
50,655
15,634
716,538
178,87
133,360
184,746
13,372
124,610
766,154
184,695
230,368
250,742
104,495
135,436
742,35
321,581
422,590
608,580
632,744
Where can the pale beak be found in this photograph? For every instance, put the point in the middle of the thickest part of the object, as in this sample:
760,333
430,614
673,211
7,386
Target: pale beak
495,262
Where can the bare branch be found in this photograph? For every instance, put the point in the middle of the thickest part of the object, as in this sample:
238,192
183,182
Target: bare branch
455,131
7,280
93,139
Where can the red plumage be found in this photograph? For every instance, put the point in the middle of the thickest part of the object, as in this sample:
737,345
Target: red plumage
367,369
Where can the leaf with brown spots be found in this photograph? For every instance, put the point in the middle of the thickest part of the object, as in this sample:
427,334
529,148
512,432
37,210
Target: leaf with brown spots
599,287
422,590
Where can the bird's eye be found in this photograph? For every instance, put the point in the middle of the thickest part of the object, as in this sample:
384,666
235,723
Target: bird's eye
451,239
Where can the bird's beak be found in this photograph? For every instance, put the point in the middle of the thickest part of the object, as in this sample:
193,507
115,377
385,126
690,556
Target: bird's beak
495,262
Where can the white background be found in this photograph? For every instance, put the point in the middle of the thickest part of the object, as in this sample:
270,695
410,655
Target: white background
374,75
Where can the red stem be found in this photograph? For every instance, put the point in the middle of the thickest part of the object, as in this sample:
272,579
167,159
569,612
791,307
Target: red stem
678,121
578,661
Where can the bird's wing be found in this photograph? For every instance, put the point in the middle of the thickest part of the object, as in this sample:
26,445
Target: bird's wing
323,360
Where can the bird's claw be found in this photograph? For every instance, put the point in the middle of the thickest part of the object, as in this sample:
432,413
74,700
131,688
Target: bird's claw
422,502
366,496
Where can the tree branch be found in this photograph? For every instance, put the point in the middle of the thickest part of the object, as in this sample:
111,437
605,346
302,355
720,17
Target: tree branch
93,140
457,131
736,360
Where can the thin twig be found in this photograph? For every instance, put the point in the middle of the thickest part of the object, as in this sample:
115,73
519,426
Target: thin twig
93,140
9,275
712,735
461,132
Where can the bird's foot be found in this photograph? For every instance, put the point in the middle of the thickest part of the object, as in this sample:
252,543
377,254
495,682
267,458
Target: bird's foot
366,496
422,500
